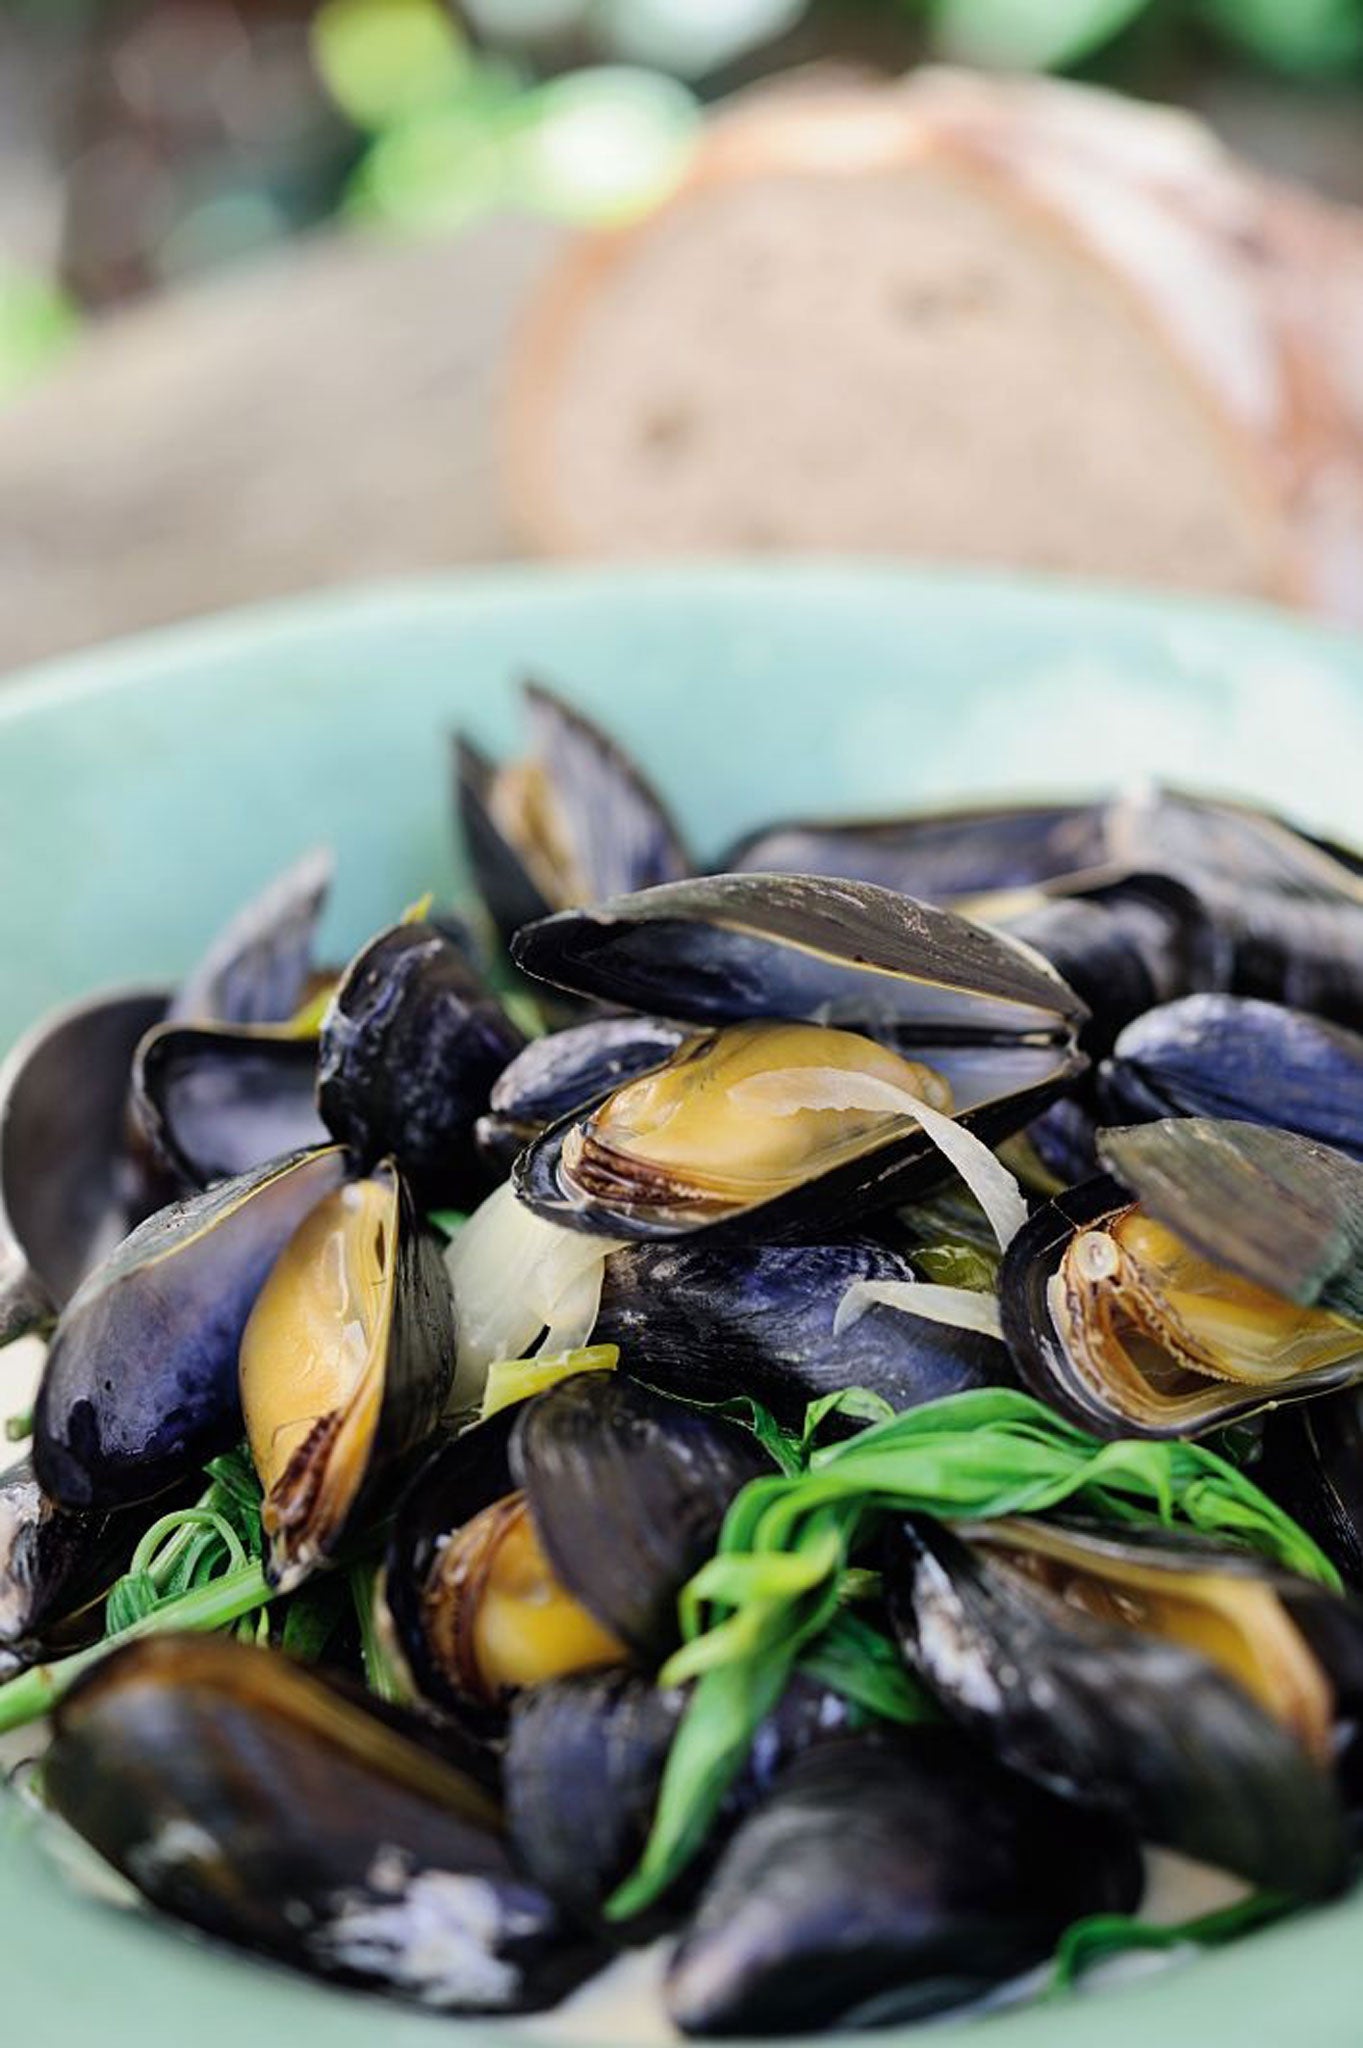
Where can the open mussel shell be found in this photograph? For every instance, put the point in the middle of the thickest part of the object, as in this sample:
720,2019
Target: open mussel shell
708,1322
582,1768
936,856
557,1536
574,821
53,1566
727,948
259,968
888,1877
456,1484
66,1182
775,1130
346,1361
1235,1056
411,1045
629,1491
1176,1683
140,1384
213,1101
566,1071
240,1793
1214,1274
1281,1210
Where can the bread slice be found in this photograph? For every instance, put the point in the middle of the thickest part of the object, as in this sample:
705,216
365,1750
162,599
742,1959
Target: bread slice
960,319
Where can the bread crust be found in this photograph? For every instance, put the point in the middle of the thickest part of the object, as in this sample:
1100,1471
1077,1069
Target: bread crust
1068,162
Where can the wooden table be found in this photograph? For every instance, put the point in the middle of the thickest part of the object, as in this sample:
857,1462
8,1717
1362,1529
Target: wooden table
326,415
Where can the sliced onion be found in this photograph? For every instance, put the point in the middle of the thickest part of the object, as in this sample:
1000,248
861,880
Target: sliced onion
962,1308
515,1276
794,1090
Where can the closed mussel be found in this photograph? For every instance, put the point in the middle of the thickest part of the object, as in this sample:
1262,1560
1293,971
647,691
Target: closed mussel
1178,1683
140,1384
1217,1270
1312,1464
888,1877
240,1793
583,1765
411,1045
568,1070
838,1021
573,821
346,1361
936,856
710,1321
555,1538
1235,1056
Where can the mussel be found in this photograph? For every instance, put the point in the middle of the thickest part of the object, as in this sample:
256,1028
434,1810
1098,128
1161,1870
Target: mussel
411,1045
1180,1683
1235,1056
1312,1463
556,1537
213,1101
565,1071
260,968
1216,1271
936,856
65,1176
1123,944
140,1383
709,1321
72,1178
888,1877
582,1767
573,822
345,1361
758,1120
54,1566
240,1793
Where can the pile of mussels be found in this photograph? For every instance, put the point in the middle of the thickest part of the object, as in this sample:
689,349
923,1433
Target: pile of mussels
743,1115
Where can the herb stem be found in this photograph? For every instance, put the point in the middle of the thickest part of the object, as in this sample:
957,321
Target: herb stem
215,1606
380,1673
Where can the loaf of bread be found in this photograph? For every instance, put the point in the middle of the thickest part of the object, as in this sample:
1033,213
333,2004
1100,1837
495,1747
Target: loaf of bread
961,318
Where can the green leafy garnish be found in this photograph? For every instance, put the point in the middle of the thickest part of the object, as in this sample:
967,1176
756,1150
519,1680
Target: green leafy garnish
855,1658
512,1380
19,1428
778,1579
1094,1940
381,1673
958,1265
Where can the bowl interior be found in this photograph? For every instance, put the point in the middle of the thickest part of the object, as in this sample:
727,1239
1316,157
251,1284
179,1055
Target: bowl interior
147,789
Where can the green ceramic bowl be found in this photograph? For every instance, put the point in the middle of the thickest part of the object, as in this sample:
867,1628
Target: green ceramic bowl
146,789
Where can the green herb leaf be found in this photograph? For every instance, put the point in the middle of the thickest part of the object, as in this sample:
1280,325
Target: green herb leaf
859,1404
1091,1941
19,1428
218,1606
775,1582
448,1220
381,1671
958,1265
858,1660
133,1598
312,1617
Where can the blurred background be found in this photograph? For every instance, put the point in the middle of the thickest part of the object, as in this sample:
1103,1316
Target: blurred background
218,219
